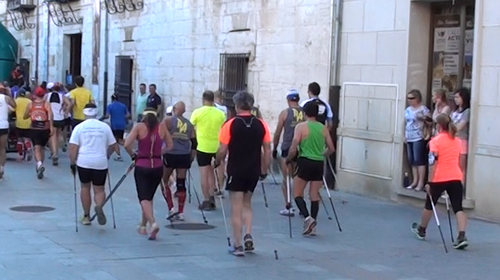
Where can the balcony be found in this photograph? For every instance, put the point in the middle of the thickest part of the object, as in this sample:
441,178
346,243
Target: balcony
20,5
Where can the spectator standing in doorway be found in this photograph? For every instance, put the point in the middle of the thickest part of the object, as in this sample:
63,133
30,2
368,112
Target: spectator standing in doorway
460,118
141,102
17,76
80,97
119,114
415,138
154,100
440,107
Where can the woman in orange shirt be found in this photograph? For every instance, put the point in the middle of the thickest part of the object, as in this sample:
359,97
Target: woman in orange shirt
444,175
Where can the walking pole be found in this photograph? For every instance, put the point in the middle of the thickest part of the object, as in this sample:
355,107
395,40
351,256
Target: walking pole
446,197
76,203
331,203
437,222
112,204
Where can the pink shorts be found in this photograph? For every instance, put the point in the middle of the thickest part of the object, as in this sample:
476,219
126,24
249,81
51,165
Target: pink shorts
465,147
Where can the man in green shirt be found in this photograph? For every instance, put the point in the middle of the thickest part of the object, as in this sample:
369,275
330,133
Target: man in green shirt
140,102
308,144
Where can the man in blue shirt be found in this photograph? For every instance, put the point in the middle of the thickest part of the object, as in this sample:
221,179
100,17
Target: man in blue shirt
119,115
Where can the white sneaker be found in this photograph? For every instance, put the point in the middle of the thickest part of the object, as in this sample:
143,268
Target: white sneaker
288,212
171,214
180,217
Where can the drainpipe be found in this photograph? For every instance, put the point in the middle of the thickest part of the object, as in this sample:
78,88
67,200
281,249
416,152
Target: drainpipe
96,36
37,42
106,62
335,44
47,47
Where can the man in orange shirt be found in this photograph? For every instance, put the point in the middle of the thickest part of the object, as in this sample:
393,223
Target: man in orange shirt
444,175
243,138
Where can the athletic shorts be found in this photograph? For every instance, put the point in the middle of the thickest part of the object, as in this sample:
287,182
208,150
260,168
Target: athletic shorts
455,192
94,176
284,153
118,133
40,137
204,159
147,181
4,131
75,122
241,184
59,124
177,161
310,170
23,132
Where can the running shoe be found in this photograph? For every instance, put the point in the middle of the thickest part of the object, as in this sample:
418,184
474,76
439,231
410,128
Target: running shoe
213,206
39,172
179,217
142,230
2,172
205,206
118,158
64,147
288,212
171,215
313,232
154,231
55,161
238,251
101,218
418,231
248,241
29,155
461,243
309,224
85,221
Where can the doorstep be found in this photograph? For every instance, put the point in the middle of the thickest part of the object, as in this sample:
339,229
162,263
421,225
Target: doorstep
467,203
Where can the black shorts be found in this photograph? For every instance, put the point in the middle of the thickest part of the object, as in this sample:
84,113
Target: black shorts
75,122
284,153
67,122
242,184
118,134
40,137
4,131
147,181
94,176
454,189
59,124
177,161
204,159
310,170
23,132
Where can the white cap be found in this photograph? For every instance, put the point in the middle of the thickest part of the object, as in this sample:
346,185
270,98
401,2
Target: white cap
170,109
50,85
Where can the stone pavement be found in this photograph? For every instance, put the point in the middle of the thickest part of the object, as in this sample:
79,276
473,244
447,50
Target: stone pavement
375,244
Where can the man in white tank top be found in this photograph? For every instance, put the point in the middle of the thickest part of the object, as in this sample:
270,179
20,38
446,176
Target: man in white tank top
60,105
6,101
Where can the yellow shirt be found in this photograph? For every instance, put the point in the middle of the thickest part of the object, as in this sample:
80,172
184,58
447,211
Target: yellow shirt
208,121
21,104
81,97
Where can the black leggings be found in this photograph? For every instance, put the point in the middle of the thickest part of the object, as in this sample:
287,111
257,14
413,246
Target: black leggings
454,189
147,181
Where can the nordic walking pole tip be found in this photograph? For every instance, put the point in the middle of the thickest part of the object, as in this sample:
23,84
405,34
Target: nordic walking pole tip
276,254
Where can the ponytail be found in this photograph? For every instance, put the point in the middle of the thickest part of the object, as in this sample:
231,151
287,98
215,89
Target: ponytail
452,130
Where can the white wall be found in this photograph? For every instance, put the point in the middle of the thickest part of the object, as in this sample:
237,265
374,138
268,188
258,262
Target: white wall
176,45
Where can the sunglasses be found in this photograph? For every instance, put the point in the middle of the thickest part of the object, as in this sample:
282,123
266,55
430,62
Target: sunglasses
410,97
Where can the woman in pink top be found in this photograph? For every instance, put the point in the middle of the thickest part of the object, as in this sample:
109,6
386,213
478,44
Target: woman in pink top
150,135
444,175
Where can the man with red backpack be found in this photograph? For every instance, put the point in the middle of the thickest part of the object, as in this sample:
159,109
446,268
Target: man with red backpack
40,112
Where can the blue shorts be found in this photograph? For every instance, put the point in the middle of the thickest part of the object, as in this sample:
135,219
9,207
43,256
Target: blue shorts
417,152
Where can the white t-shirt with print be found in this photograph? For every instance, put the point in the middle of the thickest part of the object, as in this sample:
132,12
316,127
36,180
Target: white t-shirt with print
458,117
414,130
222,108
93,138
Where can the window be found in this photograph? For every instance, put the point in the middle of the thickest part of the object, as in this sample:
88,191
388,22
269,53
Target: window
233,75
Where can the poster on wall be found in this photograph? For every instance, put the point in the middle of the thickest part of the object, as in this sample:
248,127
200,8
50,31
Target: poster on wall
446,52
469,48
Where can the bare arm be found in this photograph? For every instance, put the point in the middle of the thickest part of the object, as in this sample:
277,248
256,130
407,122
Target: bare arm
130,140
329,142
267,156
297,137
66,105
50,114
27,112
221,153
10,101
167,138
279,129
73,153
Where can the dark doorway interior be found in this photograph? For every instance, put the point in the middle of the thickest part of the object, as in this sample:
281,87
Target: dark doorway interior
123,80
75,55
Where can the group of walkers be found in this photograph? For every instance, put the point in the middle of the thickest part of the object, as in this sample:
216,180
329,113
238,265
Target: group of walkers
41,118
233,147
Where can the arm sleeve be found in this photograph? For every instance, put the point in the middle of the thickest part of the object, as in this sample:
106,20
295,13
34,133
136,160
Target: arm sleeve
329,115
225,133
465,116
267,133
433,146
75,136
